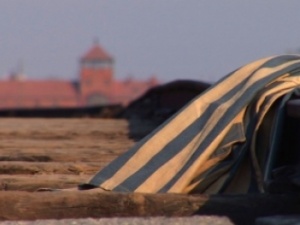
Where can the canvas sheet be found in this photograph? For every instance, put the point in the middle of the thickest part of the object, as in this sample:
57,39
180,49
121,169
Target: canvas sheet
210,145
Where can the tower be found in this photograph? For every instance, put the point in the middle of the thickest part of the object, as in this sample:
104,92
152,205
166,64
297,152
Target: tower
96,75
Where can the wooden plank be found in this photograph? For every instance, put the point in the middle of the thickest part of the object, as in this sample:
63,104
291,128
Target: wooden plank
32,168
241,209
34,182
63,140
57,155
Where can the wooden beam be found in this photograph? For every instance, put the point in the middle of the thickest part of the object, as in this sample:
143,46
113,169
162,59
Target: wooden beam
241,209
34,182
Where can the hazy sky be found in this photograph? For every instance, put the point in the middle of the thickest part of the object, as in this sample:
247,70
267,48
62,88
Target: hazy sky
187,39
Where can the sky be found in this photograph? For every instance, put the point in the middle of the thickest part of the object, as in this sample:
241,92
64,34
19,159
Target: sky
172,39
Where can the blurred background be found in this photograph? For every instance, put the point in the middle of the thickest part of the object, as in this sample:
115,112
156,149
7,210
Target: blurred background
149,41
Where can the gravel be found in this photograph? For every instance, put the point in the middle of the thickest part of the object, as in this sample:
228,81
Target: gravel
193,220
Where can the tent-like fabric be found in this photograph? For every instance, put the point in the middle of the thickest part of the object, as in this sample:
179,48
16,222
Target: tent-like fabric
213,144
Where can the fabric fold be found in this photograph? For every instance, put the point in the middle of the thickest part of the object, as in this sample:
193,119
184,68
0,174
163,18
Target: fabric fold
210,145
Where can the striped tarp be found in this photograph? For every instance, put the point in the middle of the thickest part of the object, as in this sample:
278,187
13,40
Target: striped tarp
213,144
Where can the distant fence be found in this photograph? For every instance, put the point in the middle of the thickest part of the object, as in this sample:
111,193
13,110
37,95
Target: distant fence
103,111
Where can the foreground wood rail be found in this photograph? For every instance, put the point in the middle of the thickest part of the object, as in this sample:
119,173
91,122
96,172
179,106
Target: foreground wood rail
17,205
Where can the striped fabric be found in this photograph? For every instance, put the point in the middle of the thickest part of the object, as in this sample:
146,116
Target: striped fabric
210,146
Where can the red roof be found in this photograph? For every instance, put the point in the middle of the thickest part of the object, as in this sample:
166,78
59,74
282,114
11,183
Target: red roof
96,53
51,88
46,93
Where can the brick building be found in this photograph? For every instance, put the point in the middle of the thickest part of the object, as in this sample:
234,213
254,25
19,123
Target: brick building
96,85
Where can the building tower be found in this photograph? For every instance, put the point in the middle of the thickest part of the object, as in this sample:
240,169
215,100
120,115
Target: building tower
96,76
